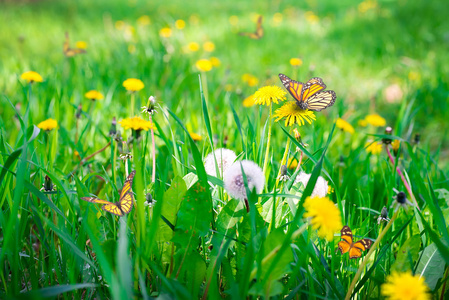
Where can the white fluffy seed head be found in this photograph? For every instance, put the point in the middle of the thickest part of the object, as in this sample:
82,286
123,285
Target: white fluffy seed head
234,182
320,188
225,158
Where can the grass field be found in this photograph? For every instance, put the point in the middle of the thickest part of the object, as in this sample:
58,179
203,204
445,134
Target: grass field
188,232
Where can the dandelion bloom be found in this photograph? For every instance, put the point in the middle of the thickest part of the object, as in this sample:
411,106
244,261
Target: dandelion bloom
233,20
224,158
48,124
311,17
81,45
144,20
373,147
195,136
133,84
250,79
413,75
292,163
344,125
296,62
31,77
193,46
324,215
375,120
362,123
215,61
180,24
405,286
136,123
268,94
234,182
293,114
204,65
165,32
249,101
321,187
277,18
395,145
209,46
94,95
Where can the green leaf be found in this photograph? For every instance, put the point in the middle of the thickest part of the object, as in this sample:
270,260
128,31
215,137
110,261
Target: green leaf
57,290
407,254
194,270
231,213
431,265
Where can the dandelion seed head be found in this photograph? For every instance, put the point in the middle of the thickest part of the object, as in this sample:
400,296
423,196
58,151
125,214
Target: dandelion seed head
225,158
321,186
234,182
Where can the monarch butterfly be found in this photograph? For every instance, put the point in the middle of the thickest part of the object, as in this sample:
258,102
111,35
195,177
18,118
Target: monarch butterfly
309,95
347,244
69,52
125,203
258,33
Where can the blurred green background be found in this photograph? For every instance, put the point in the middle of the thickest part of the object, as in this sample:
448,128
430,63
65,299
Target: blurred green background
376,55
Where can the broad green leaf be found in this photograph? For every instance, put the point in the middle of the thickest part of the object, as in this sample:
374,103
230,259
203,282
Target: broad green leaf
431,265
231,213
407,254
194,270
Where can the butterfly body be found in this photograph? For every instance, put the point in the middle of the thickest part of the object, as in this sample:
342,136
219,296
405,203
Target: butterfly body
258,34
310,95
125,203
347,244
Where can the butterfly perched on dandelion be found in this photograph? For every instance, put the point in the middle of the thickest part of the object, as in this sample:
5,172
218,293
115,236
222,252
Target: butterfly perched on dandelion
69,52
309,95
125,203
258,34
347,244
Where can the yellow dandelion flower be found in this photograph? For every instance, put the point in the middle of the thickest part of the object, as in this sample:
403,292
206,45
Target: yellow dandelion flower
136,123
81,45
195,136
277,18
253,81
405,286
228,87
31,77
204,65
180,24
133,84
324,215
296,62
293,114
344,125
268,94
194,19
375,120
292,163
362,123
119,25
209,46
143,20
249,101
165,32
330,190
395,145
215,61
94,95
373,147
48,124
311,17
233,20
193,46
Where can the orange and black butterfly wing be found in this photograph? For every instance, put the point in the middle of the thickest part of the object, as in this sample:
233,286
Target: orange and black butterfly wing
96,200
312,87
358,247
126,203
321,100
346,243
127,185
293,87
113,209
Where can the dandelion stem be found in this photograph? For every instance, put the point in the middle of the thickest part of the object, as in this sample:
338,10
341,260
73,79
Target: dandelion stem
368,255
153,149
132,103
300,161
83,161
284,158
267,152
407,186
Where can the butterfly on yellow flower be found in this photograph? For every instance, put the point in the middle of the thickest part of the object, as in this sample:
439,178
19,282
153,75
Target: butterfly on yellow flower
125,203
69,52
309,95
347,244
258,34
